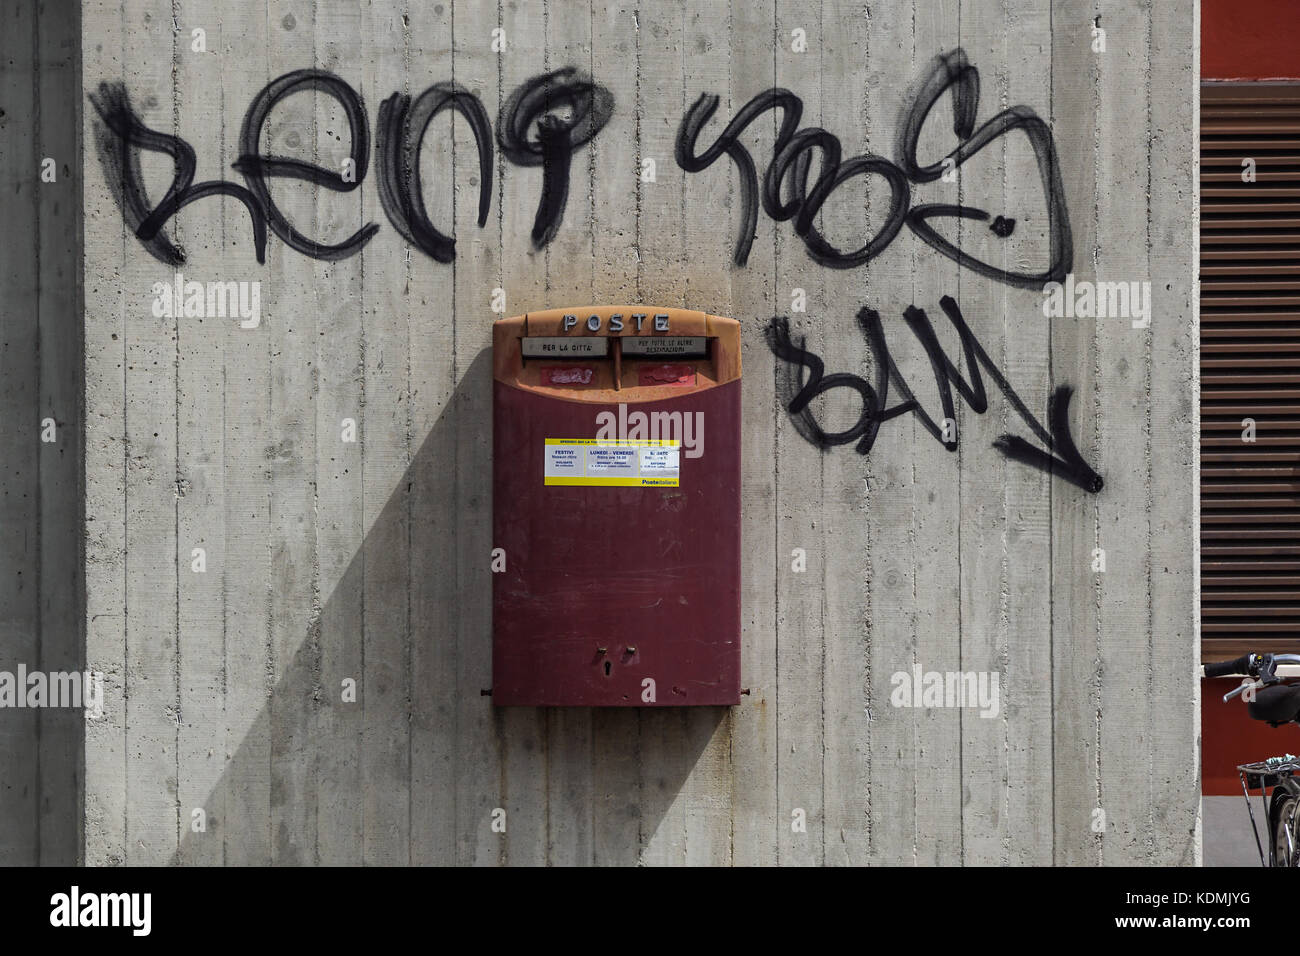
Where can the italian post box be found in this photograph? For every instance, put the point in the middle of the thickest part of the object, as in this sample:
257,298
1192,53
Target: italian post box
616,508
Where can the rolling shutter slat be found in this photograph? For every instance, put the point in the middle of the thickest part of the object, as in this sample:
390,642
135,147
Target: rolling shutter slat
1250,368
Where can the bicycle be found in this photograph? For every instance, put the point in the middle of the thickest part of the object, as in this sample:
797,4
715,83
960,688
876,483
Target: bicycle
1277,778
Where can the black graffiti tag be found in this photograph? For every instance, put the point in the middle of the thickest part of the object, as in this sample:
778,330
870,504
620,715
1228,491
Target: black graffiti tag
792,162
256,167
118,139
791,155
567,108
400,139
953,71
540,101
1061,457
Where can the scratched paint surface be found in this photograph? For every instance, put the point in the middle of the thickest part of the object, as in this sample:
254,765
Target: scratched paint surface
297,658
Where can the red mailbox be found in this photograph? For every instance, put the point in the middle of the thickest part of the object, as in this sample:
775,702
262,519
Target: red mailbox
616,508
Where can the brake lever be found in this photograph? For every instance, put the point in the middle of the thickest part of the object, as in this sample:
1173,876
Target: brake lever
1264,667
1245,686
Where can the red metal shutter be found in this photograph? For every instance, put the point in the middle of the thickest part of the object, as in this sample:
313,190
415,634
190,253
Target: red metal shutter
1250,368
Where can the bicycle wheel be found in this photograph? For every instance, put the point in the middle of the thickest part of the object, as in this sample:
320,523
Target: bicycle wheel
1284,823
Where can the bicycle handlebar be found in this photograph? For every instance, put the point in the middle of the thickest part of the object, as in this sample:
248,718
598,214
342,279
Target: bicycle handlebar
1262,667
1242,665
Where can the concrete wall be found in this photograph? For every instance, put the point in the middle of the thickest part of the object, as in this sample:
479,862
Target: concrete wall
42,605
325,560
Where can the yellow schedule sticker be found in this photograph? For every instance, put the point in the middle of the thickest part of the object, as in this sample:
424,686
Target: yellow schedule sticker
650,463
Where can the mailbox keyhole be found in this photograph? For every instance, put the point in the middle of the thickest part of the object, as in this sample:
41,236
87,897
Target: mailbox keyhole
607,667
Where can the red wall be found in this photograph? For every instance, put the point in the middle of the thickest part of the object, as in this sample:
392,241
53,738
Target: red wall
1250,39
1229,737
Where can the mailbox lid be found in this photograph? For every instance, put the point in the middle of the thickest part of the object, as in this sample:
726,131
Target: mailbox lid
615,343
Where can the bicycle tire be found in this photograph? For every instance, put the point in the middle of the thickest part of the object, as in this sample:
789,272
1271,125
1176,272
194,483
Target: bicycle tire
1284,824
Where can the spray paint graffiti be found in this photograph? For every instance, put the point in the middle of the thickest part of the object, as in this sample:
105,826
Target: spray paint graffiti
792,161
118,139
565,107
786,194
540,102
549,117
1061,457
400,133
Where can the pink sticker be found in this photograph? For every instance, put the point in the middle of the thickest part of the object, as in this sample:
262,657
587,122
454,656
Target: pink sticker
679,375
567,375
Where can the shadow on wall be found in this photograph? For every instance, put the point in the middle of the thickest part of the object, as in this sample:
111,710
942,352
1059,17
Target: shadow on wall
42,360
417,777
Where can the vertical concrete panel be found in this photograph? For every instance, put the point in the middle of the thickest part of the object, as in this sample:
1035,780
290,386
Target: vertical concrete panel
894,791
757,820
479,269
1076,673
244,806
20,429
1174,463
291,336
200,466
800,618
108,243
847,221
938,526
1027,713
985,474
704,38
340,294
1122,424
385,737
62,592
435,697
151,687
